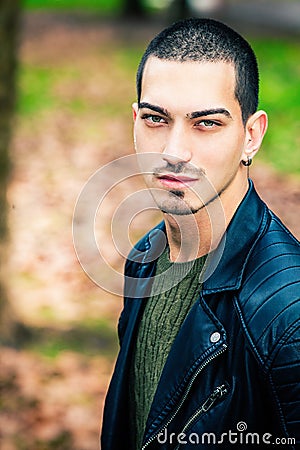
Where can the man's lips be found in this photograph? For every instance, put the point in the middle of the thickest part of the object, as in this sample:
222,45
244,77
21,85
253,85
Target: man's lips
177,181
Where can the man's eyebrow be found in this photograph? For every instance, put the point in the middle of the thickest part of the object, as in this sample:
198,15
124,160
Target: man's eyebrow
155,108
209,112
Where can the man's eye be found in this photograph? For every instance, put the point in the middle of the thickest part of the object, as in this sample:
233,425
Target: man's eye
153,118
208,123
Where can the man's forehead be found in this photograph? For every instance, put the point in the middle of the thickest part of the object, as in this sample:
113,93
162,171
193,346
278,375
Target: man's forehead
200,73
154,62
188,82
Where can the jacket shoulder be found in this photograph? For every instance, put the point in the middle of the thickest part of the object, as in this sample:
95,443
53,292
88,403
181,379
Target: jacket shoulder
146,250
139,268
269,299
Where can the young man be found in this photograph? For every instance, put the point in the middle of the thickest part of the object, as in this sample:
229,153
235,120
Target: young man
209,333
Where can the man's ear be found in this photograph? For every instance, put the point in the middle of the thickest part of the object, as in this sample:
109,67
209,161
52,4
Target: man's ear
256,128
135,108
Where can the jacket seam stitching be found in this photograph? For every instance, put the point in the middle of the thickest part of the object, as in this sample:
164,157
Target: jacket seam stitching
275,218
267,363
264,262
247,333
282,338
281,342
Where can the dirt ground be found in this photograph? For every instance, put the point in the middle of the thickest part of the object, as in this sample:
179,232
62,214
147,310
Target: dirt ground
57,403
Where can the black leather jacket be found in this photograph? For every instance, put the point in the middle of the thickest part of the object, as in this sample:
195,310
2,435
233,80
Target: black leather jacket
232,376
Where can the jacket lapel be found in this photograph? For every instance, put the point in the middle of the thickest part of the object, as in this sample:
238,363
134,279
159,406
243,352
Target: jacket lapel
226,265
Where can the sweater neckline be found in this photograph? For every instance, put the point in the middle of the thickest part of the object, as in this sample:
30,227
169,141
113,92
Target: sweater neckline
181,269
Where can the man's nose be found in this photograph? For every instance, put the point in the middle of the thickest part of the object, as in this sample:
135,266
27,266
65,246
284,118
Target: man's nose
177,148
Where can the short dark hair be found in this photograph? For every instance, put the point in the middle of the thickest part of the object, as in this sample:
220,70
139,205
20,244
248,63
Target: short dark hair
198,39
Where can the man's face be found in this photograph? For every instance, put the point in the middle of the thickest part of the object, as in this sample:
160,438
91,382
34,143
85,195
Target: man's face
189,117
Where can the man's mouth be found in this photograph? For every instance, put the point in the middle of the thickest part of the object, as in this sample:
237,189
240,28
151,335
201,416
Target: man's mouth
177,181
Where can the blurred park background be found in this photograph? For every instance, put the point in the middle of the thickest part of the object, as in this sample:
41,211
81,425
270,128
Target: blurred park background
67,82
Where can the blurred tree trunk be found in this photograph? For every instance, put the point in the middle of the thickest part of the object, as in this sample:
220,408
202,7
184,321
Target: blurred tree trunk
179,9
133,8
182,8
9,19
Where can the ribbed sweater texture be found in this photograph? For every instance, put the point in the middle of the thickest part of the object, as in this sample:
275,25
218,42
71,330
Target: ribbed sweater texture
175,289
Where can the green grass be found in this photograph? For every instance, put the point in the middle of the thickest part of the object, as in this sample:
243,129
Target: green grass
38,96
90,337
35,90
104,6
280,97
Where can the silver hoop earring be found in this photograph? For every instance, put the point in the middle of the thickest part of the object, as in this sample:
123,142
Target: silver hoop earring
248,162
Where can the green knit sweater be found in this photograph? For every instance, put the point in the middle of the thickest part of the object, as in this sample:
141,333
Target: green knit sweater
174,291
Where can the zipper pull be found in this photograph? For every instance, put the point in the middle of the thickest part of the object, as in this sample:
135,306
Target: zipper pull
218,392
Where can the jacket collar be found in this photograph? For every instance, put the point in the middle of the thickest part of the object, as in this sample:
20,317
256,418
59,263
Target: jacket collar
228,262
225,265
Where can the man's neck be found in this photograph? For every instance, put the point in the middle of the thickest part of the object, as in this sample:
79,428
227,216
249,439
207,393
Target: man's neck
195,235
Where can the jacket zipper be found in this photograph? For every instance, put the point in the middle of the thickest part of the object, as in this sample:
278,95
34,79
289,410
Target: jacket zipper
202,366
218,393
